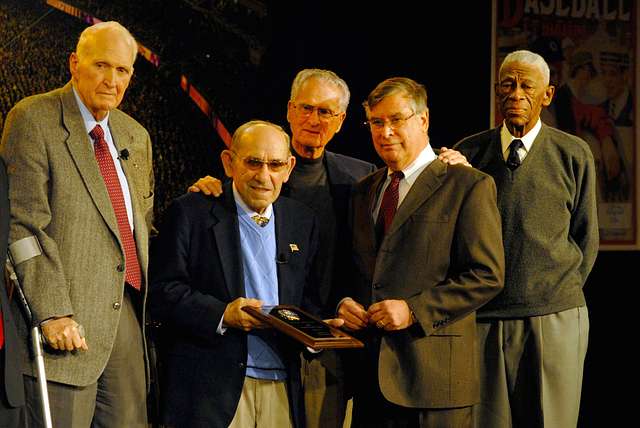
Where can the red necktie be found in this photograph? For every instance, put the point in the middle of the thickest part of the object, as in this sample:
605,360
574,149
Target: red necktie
132,273
389,202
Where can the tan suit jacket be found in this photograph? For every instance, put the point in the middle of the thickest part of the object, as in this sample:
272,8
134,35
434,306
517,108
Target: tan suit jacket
443,254
57,194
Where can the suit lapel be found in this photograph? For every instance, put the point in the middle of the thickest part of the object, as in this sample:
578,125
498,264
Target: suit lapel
122,139
334,172
285,228
225,229
83,156
340,183
429,180
367,227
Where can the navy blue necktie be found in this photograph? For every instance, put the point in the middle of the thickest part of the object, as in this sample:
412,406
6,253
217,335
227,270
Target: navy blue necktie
513,161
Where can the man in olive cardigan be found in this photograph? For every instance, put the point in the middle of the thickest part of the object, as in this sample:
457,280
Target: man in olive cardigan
533,336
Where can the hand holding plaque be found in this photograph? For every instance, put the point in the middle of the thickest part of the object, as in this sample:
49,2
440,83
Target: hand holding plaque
304,327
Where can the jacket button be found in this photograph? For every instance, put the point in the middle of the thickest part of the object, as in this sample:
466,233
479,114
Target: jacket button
376,285
120,267
116,305
241,365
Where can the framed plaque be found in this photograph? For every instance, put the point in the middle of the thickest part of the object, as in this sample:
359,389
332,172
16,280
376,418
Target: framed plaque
304,327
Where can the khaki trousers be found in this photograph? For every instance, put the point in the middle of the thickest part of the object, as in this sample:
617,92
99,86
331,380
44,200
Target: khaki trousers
531,370
325,397
263,403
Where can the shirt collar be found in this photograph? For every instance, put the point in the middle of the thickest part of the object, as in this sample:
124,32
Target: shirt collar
527,140
412,171
89,121
245,208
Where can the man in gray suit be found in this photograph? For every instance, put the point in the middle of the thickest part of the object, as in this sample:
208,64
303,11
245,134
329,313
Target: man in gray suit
81,189
428,253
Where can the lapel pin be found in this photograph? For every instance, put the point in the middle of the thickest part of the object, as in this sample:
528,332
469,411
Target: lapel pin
294,248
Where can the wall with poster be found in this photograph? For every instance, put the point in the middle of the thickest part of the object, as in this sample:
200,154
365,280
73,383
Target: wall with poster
591,47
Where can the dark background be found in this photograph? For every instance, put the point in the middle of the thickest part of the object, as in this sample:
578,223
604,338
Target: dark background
445,45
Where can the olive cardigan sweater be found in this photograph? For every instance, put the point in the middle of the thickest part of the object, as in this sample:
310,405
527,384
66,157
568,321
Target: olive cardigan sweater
549,221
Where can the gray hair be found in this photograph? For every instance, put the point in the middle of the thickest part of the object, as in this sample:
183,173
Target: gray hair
326,75
528,57
242,129
112,26
413,90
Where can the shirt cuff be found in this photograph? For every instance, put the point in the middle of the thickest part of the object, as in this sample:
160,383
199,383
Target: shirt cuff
341,302
221,329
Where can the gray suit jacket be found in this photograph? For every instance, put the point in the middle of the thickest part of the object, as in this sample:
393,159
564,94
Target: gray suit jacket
443,254
57,194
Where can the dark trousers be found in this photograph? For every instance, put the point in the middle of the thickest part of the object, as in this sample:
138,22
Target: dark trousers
372,410
10,417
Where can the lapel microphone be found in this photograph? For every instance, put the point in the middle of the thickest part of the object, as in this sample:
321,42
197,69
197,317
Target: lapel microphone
124,154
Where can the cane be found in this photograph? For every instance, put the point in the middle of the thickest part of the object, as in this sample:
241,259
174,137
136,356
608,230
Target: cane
29,248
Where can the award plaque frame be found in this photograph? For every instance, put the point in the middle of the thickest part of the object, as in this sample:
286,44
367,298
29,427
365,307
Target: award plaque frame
304,327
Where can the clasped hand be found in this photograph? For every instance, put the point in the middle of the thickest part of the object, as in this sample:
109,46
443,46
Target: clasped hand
64,334
388,315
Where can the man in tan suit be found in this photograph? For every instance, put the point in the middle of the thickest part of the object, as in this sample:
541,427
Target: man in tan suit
81,189
428,251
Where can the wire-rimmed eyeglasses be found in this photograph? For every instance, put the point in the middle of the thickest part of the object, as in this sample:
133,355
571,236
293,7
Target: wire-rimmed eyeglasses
394,122
306,110
255,164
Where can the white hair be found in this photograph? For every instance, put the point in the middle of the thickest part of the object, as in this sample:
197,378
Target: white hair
530,58
326,75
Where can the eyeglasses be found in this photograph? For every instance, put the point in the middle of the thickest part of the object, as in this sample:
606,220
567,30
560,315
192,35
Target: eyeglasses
306,110
255,164
394,122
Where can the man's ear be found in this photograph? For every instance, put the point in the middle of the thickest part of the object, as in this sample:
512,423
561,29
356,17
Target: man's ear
548,95
227,162
292,164
424,119
341,118
73,63
290,107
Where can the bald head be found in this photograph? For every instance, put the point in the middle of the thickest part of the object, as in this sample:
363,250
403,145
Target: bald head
110,29
259,161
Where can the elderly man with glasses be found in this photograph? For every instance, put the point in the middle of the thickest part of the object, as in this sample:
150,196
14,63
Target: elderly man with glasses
249,247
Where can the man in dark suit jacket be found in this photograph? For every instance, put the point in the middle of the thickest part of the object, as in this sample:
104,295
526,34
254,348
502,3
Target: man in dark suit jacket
433,258
87,198
11,387
203,273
